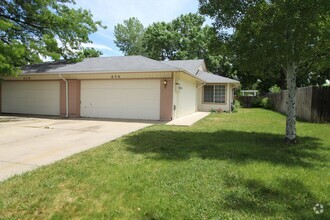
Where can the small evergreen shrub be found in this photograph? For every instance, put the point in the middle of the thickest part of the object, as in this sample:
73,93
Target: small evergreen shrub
261,102
236,105
256,102
266,103
275,89
219,110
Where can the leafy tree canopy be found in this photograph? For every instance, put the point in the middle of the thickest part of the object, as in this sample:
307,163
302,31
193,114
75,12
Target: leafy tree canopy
264,32
90,52
292,36
129,36
31,29
183,38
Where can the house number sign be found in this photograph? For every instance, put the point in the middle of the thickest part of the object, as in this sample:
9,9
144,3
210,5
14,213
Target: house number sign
115,76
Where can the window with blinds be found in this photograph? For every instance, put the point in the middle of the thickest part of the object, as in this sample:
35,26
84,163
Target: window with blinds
215,94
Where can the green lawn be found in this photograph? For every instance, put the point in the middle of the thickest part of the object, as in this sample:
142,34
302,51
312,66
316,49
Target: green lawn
225,166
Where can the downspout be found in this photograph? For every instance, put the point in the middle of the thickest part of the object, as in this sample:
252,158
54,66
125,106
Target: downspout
197,101
203,84
66,96
232,95
236,86
197,97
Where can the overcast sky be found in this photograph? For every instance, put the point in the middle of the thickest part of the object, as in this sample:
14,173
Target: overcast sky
112,12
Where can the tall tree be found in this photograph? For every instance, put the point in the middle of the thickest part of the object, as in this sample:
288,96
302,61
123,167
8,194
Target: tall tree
160,41
190,36
275,32
90,52
185,37
129,36
32,28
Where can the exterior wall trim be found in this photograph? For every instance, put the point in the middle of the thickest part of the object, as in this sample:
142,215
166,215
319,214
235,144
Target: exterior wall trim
166,100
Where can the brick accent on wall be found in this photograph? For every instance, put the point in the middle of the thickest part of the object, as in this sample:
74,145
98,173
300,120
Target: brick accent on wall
166,99
62,98
74,98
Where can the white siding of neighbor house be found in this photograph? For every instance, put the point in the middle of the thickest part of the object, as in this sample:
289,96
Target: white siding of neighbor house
31,97
127,99
185,98
209,106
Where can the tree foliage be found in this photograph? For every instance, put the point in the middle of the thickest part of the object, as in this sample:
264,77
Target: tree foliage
90,52
129,36
185,37
33,28
263,27
276,35
159,41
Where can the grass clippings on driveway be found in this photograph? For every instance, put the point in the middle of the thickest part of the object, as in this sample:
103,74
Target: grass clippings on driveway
225,166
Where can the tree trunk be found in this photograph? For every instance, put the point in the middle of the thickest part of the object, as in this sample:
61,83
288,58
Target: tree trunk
290,134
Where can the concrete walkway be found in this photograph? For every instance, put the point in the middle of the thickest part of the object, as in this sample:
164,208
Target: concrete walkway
27,143
189,120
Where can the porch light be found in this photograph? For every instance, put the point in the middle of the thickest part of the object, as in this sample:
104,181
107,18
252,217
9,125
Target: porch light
165,82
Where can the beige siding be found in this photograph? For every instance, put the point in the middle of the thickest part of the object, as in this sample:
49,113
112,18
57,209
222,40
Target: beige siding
184,95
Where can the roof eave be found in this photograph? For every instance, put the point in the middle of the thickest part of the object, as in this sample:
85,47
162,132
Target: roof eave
97,72
221,82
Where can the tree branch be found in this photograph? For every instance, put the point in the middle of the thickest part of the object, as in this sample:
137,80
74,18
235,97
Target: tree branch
5,41
18,21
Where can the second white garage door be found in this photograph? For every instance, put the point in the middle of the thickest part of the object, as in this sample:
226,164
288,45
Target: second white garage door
31,97
127,99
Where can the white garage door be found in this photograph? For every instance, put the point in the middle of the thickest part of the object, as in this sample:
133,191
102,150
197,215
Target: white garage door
131,99
42,98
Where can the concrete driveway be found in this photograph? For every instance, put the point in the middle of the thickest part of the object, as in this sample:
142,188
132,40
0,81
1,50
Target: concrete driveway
27,142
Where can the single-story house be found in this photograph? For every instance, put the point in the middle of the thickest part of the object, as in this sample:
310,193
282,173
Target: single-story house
126,87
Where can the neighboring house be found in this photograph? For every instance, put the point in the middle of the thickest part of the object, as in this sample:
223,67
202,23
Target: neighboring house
126,87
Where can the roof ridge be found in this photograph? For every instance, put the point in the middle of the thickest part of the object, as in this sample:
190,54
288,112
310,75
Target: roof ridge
183,60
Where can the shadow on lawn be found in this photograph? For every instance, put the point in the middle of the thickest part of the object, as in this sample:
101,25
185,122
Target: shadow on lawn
286,195
236,146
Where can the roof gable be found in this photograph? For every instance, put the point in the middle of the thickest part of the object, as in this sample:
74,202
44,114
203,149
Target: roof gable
198,68
191,66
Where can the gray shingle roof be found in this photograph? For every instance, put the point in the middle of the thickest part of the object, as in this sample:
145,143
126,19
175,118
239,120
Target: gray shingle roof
191,66
100,64
126,64
212,78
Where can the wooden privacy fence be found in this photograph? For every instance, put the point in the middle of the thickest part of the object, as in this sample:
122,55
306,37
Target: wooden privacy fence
313,103
246,101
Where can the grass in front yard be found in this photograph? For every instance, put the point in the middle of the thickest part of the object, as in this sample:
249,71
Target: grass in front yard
225,166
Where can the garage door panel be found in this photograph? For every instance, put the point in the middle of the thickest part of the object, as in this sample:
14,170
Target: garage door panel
31,97
131,99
